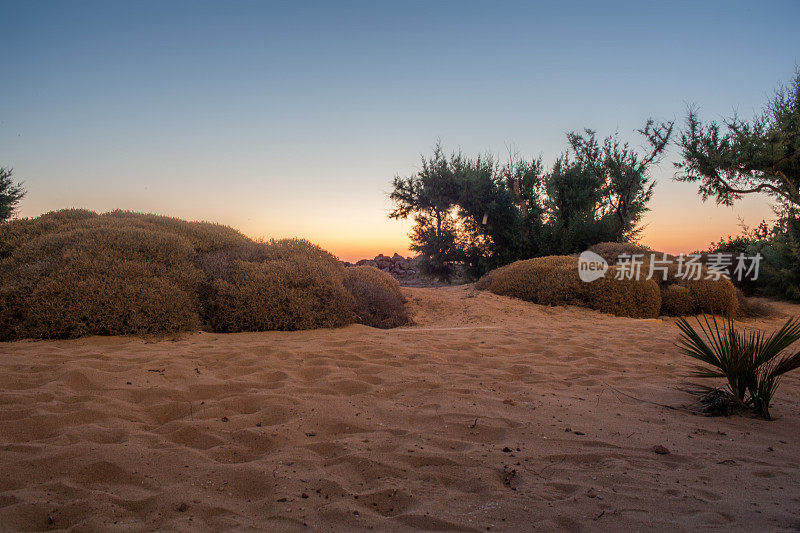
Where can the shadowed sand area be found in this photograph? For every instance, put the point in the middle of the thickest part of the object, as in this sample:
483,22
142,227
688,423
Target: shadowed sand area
489,412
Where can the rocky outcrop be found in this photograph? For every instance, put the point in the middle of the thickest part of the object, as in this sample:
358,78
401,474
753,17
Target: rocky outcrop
397,265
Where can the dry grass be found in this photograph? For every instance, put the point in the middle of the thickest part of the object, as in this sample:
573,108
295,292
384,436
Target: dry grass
750,307
73,273
377,297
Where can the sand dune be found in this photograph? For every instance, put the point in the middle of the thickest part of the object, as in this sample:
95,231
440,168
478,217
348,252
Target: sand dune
488,413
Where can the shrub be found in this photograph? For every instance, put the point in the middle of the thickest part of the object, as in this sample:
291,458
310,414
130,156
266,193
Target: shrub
554,280
716,297
485,281
100,278
281,294
751,362
72,273
677,301
632,298
610,251
19,231
377,297
203,236
750,307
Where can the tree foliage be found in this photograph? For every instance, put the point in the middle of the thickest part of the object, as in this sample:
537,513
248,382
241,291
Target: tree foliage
489,214
738,157
10,194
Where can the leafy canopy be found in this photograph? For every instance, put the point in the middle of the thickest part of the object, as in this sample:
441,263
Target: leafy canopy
738,157
489,214
10,194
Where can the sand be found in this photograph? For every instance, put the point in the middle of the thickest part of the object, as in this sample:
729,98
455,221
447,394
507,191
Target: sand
488,413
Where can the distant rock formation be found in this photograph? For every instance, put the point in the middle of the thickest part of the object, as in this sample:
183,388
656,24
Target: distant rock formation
396,265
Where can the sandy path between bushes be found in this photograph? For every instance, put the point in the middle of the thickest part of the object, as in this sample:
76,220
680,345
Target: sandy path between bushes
488,413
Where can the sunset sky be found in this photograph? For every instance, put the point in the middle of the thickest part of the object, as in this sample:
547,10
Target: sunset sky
290,119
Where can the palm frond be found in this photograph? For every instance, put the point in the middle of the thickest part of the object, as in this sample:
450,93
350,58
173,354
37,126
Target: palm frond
787,364
749,360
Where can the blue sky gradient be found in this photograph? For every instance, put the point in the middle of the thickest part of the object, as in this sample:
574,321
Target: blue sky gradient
290,119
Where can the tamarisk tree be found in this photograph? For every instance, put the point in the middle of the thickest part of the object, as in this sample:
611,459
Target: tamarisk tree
738,157
429,197
622,173
10,194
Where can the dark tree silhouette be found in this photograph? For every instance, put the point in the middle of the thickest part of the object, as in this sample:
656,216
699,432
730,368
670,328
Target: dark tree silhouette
10,194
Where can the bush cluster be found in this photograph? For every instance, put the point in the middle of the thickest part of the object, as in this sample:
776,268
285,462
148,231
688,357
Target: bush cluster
73,273
554,280
377,297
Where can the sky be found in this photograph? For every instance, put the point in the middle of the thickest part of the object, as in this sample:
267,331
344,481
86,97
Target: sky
290,119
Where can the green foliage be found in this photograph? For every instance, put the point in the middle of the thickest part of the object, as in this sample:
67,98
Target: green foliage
486,214
622,173
779,246
10,194
573,202
781,265
751,362
738,157
429,196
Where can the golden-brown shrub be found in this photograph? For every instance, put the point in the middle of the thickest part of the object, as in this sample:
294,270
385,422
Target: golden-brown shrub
282,294
485,281
610,251
545,280
554,280
203,236
72,273
623,297
708,295
98,279
716,297
375,276
677,301
18,231
378,300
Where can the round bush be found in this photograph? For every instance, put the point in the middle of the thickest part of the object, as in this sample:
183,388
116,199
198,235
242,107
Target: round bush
98,277
73,273
610,251
677,301
623,297
554,280
716,297
377,297
281,294
375,276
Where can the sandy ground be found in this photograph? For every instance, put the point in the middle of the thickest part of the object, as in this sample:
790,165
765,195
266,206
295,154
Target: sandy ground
488,413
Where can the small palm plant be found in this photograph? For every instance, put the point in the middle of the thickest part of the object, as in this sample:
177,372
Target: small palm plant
751,361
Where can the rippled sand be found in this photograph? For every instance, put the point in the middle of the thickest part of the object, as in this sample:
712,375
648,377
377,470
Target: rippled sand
487,413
